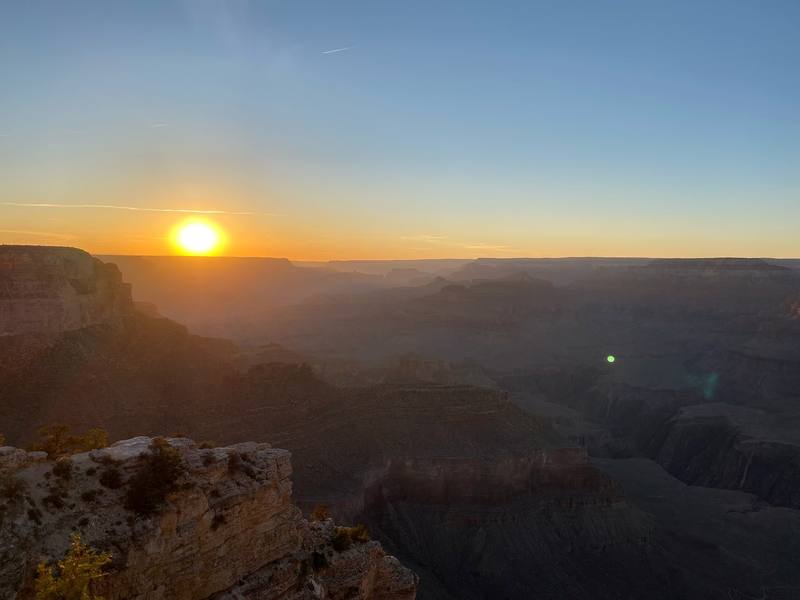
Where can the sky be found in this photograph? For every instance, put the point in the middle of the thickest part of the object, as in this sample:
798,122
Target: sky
374,129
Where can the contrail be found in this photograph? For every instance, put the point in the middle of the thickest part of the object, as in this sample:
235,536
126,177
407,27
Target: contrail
336,50
133,208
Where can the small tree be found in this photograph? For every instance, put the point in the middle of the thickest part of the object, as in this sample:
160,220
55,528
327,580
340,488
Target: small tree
80,567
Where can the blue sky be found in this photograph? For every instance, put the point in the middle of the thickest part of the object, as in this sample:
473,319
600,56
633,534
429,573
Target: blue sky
444,129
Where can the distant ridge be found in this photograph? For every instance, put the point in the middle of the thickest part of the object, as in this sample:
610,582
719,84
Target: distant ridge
748,264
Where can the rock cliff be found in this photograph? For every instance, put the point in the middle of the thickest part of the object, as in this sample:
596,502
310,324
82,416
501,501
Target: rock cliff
50,290
226,530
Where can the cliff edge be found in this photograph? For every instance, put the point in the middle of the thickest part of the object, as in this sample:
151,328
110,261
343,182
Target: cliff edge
225,528
49,290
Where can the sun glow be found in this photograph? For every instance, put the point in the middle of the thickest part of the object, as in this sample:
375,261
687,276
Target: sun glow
197,237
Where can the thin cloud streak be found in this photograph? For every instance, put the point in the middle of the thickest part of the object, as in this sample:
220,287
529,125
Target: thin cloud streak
60,236
129,208
337,50
440,240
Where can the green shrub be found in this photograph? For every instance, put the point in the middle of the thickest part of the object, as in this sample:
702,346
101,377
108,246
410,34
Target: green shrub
155,479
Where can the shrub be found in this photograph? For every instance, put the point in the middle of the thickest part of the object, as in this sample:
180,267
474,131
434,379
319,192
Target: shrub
2,440
35,515
63,468
111,478
320,513
12,487
90,495
57,441
344,537
155,479
75,573
55,499
94,439
207,444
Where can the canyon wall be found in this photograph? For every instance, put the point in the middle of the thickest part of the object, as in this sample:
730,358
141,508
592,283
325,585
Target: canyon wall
51,290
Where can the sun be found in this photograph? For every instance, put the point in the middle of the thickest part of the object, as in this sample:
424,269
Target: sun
197,237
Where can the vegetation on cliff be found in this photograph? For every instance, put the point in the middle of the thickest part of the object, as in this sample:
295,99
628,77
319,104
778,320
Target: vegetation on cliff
155,479
57,441
75,573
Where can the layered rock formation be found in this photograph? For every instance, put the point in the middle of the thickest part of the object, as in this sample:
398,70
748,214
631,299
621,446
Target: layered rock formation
227,529
544,526
49,290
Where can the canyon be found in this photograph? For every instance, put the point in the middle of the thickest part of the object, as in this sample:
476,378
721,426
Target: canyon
474,425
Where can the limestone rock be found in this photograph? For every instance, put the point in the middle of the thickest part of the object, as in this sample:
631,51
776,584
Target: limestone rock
227,530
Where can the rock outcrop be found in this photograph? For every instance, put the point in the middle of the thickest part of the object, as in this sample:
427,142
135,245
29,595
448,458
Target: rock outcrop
227,529
49,290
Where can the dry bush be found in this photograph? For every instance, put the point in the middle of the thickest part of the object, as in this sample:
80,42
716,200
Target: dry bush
57,441
75,573
321,512
344,537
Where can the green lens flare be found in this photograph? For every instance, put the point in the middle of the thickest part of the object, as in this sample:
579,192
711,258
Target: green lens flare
611,358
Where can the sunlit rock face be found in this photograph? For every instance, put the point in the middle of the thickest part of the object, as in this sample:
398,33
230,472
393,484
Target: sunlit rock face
228,530
49,290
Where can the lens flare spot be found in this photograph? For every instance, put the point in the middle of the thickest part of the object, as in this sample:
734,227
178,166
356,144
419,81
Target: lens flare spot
611,358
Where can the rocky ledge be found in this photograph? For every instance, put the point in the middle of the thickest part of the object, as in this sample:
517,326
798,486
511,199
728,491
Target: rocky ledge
225,528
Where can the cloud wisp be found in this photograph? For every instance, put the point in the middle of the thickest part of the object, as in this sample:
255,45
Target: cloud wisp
337,50
128,208
60,236
440,240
